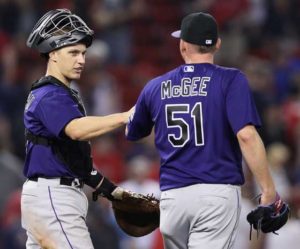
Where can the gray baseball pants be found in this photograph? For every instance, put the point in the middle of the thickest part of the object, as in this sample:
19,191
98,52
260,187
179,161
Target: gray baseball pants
54,215
200,216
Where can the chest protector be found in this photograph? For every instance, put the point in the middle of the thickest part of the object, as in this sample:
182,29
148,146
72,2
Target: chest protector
74,154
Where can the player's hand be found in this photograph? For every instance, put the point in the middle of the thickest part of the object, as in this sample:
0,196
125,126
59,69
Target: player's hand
269,218
117,194
131,112
128,115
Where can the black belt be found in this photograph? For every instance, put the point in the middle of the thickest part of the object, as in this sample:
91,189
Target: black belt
63,181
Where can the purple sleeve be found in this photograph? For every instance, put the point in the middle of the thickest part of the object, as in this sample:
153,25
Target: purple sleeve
240,106
141,123
56,109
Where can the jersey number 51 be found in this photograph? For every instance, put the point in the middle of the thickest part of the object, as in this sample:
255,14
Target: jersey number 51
183,125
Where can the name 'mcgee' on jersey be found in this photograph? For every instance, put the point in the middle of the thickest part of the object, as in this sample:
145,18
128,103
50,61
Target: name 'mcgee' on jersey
195,86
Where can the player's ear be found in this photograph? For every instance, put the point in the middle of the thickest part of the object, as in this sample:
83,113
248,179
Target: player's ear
53,56
182,45
218,44
183,48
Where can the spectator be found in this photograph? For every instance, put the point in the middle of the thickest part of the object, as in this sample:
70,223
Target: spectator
112,19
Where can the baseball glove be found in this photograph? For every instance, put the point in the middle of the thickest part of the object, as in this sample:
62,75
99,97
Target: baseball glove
269,218
136,214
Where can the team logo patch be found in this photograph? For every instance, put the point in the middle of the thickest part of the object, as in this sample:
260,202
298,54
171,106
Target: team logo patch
188,69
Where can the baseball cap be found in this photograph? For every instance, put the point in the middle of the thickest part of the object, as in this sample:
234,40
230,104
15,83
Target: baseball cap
198,28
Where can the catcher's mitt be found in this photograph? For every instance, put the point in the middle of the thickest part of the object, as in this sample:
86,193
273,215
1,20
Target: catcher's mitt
136,214
269,218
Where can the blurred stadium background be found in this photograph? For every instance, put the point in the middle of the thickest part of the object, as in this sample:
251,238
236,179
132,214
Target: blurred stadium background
132,45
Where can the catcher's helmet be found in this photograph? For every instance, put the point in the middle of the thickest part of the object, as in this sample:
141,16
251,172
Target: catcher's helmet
59,28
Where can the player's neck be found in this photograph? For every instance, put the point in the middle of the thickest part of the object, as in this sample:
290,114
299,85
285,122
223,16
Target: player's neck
58,75
196,58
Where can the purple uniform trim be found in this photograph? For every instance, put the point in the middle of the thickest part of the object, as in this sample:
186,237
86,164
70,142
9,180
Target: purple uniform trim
196,111
53,208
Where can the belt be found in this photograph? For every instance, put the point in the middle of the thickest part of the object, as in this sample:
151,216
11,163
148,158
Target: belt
75,182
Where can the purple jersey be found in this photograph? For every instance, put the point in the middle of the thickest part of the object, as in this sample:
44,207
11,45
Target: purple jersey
47,111
197,110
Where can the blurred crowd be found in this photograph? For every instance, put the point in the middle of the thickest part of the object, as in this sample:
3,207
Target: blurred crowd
132,45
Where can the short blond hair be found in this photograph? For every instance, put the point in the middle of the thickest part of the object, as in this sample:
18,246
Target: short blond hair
207,49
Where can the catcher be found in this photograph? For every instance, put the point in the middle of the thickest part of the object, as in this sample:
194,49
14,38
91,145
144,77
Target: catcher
58,153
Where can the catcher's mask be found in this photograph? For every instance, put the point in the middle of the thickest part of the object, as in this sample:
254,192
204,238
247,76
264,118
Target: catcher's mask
59,28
